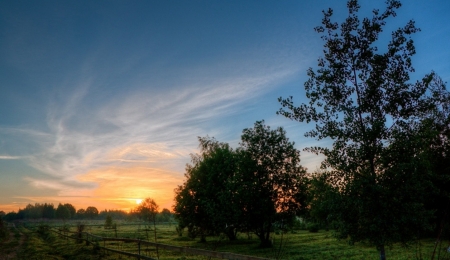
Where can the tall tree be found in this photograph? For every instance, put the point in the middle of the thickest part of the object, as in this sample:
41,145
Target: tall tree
71,209
362,99
204,201
271,178
62,212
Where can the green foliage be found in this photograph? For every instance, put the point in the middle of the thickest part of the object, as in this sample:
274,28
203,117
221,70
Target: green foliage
91,212
71,209
44,233
301,245
108,222
10,216
62,212
323,198
313,227
3,229
179,229
114,213
361,98
164,216
147,210
247,189
36,211
271,179
81,214
204,201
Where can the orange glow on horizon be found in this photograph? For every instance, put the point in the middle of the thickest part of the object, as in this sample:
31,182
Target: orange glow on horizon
124,188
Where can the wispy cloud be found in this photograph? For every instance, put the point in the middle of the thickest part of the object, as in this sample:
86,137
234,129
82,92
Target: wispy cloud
137,144
8,157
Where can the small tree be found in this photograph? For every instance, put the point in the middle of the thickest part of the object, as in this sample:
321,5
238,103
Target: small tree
271,180
81,214
108,222
91,212
147,210
165,215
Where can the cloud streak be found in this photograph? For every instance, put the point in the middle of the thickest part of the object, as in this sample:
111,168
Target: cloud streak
8,157
148,134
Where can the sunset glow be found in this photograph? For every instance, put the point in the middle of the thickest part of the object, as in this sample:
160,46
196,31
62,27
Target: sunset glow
102,104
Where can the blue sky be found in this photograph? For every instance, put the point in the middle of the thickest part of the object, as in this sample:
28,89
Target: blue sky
102,101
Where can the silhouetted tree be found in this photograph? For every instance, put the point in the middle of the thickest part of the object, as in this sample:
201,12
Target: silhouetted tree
147,210
361,98
62,212
81,214
91,212
164,216
270,179
71,209
204,202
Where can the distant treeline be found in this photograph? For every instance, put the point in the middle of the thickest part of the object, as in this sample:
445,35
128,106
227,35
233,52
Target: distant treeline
68,211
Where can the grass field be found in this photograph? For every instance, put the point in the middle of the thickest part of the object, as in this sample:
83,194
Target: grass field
299,245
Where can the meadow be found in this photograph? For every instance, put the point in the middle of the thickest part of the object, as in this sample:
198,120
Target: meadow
40,242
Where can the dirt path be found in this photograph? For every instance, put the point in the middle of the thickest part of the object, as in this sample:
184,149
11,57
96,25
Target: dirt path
12,252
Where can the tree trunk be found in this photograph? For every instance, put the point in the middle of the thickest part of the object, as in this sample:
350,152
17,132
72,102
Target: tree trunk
265,243
265,239
382,253
231,233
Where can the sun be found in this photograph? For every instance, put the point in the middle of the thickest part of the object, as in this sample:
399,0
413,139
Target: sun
138,201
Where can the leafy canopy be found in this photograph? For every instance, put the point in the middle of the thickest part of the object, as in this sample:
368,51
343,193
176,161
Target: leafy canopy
363,100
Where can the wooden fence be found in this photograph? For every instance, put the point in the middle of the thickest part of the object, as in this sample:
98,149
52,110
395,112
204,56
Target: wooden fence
91,239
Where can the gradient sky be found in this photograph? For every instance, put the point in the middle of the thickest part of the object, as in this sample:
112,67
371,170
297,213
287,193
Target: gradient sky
101,102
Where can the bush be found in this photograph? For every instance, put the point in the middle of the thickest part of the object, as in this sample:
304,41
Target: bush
313,227
299,224
179,230
43,231
108,222
3,230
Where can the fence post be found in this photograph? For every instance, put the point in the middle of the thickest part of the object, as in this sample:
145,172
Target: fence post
139,249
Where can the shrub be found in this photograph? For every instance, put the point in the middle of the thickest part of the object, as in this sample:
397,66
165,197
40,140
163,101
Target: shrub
313,227
43,231
179,230
3,230
108,222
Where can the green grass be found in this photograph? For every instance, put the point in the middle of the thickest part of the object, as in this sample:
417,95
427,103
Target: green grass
300,245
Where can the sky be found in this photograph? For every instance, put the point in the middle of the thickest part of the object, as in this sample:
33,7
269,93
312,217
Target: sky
102,102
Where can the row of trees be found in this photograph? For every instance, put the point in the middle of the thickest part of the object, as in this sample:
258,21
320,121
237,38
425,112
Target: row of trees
68,211
385,177
247,189
48,211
